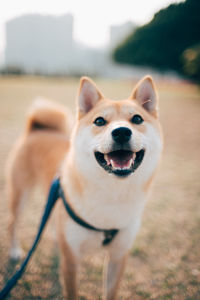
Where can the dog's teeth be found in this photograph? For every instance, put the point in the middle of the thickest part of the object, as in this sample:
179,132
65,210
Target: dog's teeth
123,168
130,163
107,159
112,163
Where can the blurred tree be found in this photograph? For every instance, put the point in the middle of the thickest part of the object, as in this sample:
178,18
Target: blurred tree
191,62
162,41
12,70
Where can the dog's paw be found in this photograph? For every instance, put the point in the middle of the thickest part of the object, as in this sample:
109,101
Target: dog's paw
15,253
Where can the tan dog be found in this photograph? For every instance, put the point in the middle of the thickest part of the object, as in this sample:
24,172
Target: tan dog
106,168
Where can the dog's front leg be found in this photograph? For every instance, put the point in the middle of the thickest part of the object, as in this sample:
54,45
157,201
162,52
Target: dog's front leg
68,260
118,251
68,269
112,275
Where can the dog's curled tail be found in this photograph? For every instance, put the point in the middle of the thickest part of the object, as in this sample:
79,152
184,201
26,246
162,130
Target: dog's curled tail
47,115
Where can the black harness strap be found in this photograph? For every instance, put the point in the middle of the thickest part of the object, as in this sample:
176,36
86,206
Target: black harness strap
54,193
109,233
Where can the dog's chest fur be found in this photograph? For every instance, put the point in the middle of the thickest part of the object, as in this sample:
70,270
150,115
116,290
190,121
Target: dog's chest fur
107,204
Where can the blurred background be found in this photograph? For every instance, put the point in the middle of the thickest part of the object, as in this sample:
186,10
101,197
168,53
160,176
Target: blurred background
70,38
45,46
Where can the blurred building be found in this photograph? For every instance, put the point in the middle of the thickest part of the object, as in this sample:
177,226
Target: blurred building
45,45
40,43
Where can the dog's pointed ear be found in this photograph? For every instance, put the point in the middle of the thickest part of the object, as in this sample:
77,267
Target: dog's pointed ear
145,93
88,95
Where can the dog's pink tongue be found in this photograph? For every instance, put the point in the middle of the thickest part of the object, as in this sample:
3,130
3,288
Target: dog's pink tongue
120,159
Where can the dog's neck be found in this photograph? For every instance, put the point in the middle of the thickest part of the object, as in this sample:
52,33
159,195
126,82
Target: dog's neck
103,200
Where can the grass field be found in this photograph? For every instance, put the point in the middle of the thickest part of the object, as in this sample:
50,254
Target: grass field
165,260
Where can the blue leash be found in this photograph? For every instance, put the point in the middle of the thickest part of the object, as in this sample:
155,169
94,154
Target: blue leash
54,193
53,196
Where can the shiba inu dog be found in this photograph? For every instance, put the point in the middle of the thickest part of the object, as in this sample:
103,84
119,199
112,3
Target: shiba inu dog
106,166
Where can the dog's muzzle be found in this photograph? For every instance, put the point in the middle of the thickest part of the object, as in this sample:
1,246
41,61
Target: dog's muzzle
121,160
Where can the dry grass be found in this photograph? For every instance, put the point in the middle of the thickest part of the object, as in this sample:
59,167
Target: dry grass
164,262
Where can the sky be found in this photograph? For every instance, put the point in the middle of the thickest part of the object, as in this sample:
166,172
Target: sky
92,18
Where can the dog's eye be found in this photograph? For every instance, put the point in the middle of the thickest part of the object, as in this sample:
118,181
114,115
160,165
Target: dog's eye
137,119
100,121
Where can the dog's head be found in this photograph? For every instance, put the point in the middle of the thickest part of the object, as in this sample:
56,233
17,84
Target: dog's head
116,137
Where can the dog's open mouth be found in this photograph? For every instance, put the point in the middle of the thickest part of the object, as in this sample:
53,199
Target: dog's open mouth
121,162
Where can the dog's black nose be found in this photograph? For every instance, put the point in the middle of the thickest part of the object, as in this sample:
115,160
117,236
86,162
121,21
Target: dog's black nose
121,135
